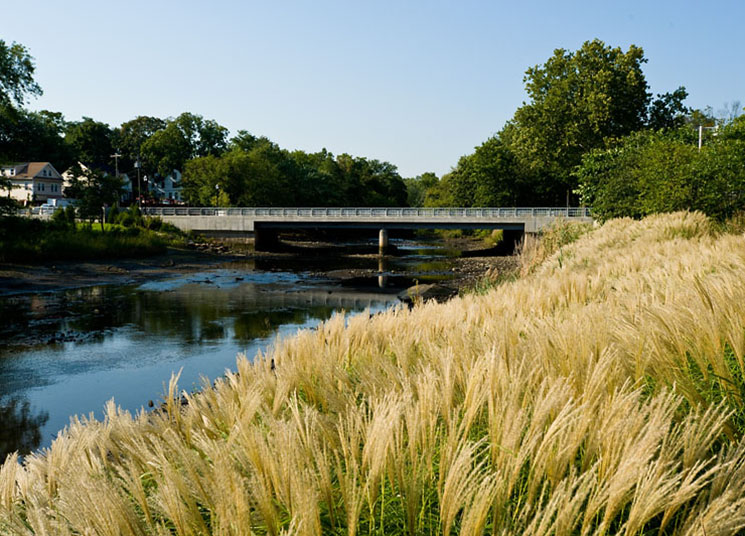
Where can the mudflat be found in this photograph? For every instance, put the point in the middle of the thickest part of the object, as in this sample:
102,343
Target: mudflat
58,275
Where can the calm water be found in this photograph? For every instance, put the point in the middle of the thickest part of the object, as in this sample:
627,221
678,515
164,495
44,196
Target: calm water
68,352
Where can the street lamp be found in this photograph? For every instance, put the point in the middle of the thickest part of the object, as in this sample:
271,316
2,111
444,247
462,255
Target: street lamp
138,165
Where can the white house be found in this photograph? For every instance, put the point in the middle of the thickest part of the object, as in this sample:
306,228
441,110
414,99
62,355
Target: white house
33,182
167,189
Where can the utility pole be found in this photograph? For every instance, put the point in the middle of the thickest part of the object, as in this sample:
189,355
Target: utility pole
701,128
116,156
138,165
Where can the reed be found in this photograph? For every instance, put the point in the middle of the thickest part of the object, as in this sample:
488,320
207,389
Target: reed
600,393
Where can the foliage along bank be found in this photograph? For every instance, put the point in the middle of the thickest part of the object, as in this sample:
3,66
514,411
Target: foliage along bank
61,238
665,171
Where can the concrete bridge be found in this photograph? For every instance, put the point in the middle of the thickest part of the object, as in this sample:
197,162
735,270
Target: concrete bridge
266,223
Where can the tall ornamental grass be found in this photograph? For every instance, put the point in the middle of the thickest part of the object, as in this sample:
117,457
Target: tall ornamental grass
601,393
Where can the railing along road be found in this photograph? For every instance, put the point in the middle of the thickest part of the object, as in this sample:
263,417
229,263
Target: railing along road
377,212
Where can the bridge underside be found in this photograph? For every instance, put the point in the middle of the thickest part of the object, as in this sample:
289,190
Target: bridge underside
387,225
266,234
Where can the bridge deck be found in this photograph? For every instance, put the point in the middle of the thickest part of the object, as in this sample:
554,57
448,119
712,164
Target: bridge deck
247,219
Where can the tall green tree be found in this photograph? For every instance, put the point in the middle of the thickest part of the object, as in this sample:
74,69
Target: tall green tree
486,178
34,136
129,138
16,75
577,100
16,83
186,137
664,171
417,187
91,143
668,110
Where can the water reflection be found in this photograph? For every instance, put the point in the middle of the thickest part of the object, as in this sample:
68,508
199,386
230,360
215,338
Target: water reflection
192,312
66,353
20,428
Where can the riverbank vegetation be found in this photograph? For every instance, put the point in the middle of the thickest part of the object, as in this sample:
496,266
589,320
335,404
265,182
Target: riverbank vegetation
601,393
62,238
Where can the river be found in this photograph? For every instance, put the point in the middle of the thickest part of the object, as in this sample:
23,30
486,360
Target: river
68,352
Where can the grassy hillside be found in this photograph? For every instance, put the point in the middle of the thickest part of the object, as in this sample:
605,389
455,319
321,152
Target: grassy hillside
601,393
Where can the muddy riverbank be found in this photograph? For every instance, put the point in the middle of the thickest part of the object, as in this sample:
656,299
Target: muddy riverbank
464,270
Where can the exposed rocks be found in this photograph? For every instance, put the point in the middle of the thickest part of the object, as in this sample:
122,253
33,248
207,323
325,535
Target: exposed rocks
424,293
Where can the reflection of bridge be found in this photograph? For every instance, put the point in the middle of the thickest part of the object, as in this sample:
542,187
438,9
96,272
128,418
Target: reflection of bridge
265,223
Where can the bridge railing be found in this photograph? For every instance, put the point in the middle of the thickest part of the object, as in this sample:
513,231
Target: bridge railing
373,212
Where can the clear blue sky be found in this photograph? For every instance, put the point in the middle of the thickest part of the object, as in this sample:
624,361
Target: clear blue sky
418,84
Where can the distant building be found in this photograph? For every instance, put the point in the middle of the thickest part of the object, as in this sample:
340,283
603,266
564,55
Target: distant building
33,183
167,189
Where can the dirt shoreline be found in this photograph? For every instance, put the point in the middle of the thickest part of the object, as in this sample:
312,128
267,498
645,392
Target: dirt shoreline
54,276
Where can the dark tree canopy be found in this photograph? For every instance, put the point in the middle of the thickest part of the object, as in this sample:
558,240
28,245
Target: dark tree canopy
256,172
129,138
668,111
186,137
91,143
34,136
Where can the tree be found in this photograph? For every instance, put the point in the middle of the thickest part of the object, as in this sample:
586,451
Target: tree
91,143
16,74
417,188
186,137
129,138
256,172
93,190
663,171
668,111
258,177
486,178
33,136
577,100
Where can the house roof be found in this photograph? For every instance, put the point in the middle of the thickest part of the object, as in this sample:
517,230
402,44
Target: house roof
29,170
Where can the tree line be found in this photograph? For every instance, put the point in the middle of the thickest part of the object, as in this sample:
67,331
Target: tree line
591,132
216,169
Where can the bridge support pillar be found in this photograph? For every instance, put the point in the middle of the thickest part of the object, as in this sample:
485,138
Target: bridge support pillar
383,241
265,239
382,275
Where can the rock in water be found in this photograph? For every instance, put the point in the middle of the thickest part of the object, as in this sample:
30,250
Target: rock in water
424,293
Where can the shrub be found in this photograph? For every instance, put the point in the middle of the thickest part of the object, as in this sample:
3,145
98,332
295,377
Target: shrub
153,224
59,218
